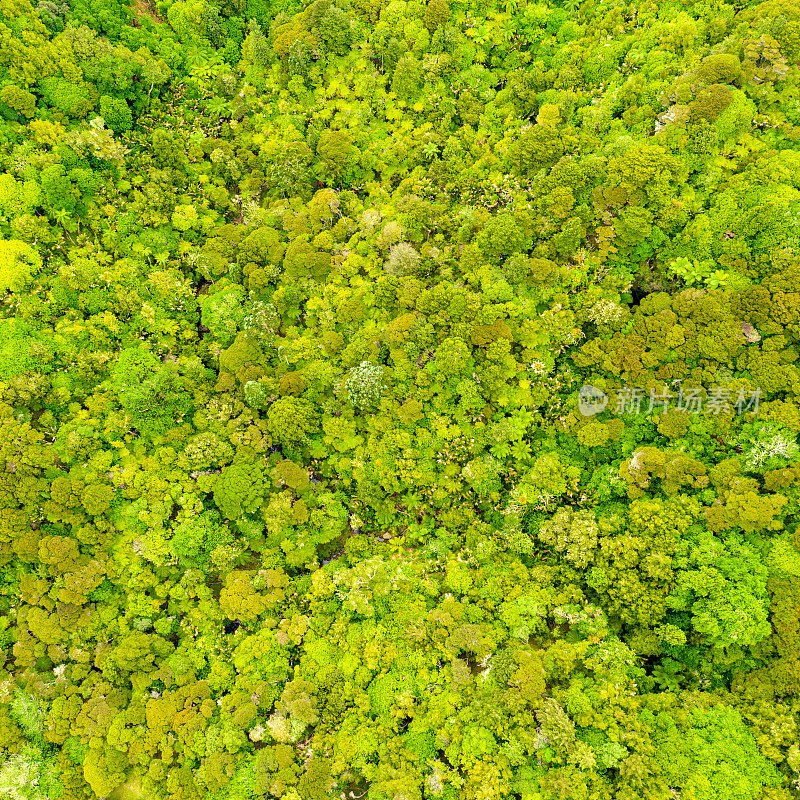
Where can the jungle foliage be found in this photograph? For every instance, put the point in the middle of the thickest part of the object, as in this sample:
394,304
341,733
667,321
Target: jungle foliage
296,302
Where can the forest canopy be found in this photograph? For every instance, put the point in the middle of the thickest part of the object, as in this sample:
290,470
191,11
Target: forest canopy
399,400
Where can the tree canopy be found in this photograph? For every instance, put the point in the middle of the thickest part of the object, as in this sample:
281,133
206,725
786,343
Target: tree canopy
399,400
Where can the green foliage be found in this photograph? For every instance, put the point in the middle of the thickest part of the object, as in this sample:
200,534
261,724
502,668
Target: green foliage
298,498
333,28
403,260
256,395
437,13
150,391
29,775
364,385
21,350
336,154
503,235
222,312
720,68
57,189
73,99
20,100
116,113
192,19
18,262
710,102
712,754
261,321
196,538
290,419
28,713
238,490
407,77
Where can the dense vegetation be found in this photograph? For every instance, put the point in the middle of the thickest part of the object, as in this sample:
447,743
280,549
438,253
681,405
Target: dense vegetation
296,496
